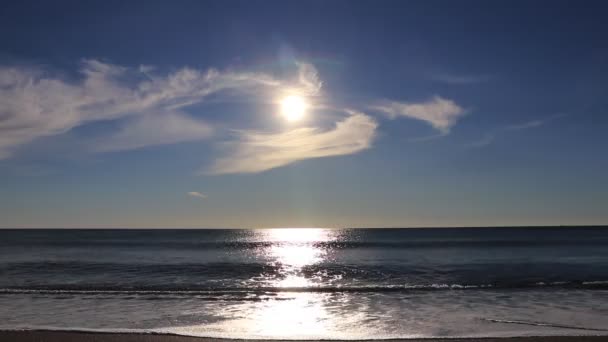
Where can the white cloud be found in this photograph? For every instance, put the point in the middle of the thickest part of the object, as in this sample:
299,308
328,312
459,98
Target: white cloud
151,108
486,139
257,152
534,123
459,79
308,78
34,103
489,137
526,125
151,130
440,113
197,194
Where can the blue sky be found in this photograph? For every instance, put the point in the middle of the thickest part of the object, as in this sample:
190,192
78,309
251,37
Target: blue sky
430,113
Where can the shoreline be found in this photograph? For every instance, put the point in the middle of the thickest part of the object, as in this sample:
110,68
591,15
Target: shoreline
101,336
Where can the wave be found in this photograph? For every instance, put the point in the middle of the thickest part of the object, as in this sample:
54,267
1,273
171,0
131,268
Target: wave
251,274
169,332
270,266
261,277
194,290
541,324
248,245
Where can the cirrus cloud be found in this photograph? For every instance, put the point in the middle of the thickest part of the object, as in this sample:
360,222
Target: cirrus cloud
197,194
150,109
153,130
256,152
438,112
35,103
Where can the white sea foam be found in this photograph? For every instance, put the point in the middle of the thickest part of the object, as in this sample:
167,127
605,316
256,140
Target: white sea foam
474,313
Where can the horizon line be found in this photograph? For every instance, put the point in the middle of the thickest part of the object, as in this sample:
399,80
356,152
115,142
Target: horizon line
261,228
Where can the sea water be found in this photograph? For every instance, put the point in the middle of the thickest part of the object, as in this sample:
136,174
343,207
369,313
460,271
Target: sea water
308,283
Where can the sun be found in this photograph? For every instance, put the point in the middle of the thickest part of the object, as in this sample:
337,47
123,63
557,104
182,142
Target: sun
293,108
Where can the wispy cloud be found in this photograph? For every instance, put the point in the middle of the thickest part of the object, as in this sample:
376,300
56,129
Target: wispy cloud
308,78
197,194
485,139
525,125
440,113
455,79
489,137
152,130
255,152
534,123
150,109
34,103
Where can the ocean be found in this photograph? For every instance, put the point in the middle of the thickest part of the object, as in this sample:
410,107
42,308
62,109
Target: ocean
308,283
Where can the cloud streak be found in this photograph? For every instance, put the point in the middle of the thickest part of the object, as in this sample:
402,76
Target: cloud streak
534,123
489,137
486,139
453,79
438,112
256,152
34,103
153,130
150,109
197,194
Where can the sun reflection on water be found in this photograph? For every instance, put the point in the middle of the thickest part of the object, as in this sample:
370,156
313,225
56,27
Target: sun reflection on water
293,249
293,257
302,316
296,235
281,312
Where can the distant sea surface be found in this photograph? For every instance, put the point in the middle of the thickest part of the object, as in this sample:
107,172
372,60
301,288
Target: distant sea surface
308,283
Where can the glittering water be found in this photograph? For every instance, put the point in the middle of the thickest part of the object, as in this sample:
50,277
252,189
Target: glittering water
309,283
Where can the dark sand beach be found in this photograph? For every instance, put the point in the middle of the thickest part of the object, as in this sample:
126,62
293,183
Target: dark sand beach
73,336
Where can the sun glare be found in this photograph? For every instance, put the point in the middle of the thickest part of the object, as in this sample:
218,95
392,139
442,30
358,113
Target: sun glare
293,108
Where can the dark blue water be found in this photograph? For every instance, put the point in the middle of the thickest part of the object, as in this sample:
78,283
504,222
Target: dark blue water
309,283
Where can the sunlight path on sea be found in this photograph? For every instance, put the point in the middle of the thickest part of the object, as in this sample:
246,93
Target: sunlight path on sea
292,249
301,314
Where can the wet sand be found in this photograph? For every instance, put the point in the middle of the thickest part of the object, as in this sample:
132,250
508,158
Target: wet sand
71,336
